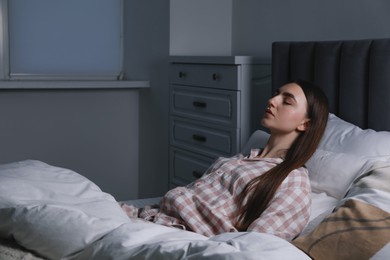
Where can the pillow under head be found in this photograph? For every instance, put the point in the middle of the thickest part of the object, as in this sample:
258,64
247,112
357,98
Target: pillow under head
345,152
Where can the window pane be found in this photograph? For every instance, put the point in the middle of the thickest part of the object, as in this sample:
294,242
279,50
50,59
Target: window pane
65,37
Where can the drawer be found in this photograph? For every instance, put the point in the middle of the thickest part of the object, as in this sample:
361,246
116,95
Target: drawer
204,138
186,167
210,76
205,104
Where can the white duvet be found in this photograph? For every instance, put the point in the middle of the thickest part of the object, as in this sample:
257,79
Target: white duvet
60,214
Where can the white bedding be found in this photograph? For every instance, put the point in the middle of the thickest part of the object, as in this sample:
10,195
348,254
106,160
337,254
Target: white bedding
58,213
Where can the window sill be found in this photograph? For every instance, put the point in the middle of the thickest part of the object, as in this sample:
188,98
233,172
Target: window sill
73,84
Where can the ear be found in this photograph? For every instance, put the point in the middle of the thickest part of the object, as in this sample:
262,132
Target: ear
305,124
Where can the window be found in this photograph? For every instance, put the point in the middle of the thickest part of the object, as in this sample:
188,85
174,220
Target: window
61,39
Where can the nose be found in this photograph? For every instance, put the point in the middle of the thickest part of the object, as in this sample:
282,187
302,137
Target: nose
271,102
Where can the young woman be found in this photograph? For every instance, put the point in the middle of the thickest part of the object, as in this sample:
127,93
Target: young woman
267,191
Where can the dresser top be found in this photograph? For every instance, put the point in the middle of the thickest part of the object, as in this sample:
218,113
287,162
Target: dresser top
224,60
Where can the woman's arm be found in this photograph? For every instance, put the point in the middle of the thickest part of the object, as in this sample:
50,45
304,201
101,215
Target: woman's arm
289,211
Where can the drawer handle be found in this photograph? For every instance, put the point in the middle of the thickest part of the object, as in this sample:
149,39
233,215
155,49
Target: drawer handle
197,174
182,75
200,104
199,138
216,76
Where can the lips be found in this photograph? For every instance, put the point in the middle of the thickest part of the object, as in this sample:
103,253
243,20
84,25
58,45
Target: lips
268,111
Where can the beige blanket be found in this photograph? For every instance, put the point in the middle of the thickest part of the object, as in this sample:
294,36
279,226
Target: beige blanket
360,227
355,231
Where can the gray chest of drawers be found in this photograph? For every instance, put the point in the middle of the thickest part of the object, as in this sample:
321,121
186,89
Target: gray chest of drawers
215,104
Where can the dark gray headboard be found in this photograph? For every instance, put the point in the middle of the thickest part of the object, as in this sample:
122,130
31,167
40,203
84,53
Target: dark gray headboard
354,74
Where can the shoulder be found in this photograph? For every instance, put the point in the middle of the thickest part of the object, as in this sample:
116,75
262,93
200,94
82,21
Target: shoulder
298,178
301,171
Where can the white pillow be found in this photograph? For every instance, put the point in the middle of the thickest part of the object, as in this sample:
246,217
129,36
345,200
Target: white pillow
334,173
53,211
344,137
258,139
345,153
372,188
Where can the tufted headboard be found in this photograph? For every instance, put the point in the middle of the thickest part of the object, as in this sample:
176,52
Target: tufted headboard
354,74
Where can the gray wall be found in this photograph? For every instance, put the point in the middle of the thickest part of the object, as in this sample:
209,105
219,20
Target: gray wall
146,56
256,24
93,132
200,27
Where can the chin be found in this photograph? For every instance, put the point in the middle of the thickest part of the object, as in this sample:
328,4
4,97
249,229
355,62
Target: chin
264,123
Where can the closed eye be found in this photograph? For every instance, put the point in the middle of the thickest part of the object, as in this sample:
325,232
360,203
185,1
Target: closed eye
288,98
287,101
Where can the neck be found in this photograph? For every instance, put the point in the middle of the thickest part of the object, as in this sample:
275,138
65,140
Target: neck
278,145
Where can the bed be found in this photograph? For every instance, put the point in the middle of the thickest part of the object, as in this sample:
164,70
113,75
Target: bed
49,212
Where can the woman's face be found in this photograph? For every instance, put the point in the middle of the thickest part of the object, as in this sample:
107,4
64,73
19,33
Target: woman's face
287,110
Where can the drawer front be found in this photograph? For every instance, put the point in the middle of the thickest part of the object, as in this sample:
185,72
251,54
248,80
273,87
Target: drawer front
187,167
204,138
211,76
205,104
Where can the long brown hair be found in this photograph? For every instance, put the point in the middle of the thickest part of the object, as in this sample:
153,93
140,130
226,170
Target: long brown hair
257,194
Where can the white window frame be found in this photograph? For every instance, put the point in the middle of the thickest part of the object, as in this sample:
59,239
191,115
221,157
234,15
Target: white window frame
4,41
